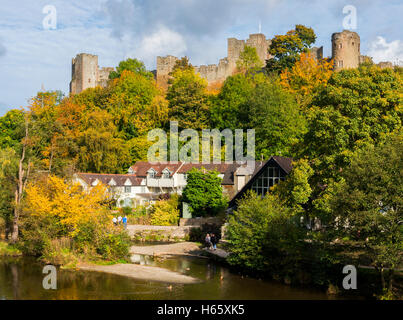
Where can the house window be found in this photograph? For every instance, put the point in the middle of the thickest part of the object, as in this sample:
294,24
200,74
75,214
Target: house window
151,174
270,177
143,189
128,189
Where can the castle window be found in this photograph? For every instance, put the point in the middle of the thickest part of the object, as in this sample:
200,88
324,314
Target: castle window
340,45
352,43
89,80
341,63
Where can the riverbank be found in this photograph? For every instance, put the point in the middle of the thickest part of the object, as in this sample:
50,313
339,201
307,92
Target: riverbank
141,273
9,250
174,249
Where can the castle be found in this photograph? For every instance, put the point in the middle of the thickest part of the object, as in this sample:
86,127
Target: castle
345,54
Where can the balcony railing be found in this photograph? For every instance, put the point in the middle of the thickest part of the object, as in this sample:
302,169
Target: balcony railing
160,183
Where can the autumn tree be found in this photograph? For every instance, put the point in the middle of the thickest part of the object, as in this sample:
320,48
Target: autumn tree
188,100
306,77
287,48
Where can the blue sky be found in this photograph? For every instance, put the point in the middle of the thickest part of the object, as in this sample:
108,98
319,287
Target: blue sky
32,57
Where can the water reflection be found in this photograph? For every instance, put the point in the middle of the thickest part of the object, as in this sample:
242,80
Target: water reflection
21,278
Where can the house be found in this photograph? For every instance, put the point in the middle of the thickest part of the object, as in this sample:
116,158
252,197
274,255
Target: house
266,175
146,181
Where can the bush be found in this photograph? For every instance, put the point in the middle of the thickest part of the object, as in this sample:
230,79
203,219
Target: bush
166,212
261,234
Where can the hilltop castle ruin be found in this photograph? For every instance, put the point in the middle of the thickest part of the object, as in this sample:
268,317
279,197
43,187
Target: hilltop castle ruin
345,54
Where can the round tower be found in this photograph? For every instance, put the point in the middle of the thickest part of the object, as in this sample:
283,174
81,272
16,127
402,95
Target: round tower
345,50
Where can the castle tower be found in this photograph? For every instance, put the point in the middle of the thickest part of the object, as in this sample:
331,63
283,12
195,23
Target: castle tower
345,50
84,73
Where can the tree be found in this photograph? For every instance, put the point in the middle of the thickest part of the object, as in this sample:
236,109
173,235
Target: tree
182,64
357,108
187,97
11,129
133,65
100,148
262,235
249,61
287,48
228,107
203,192
275,116
367,205
306,77
130,99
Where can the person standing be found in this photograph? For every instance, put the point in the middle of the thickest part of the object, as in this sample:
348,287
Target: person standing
115,221
119,219
208,241
124,220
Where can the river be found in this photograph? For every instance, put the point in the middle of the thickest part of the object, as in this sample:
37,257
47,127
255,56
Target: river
21,278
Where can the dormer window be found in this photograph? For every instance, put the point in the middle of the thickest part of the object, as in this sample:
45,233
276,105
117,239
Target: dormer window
151,173
166,174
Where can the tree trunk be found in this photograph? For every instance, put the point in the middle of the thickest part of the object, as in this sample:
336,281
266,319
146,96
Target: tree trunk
391,274
383,279
21,182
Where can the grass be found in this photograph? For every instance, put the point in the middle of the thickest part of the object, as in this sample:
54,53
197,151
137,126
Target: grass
10,250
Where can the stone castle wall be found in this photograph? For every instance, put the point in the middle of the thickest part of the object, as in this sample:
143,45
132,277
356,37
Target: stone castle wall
86,74
226,67
345,53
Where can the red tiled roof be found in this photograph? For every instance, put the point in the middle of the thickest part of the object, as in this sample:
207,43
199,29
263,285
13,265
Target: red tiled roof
120,179
141,168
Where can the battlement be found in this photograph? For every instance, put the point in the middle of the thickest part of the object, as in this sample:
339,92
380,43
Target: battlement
225,67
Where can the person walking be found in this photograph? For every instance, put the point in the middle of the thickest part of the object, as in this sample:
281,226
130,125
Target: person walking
214,241
119,219
115,221
124,220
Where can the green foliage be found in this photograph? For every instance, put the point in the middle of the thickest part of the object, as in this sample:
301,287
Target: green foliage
203,193
358,107
286,49
133,65
166,212
228,107
249,60
11,129
368,204
187,97
295,191
276,118
261,233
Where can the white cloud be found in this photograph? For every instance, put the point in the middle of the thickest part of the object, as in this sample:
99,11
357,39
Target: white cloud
160,43
381,50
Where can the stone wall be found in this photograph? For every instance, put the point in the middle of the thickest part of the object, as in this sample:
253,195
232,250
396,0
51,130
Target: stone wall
85,73
217,73
345,50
